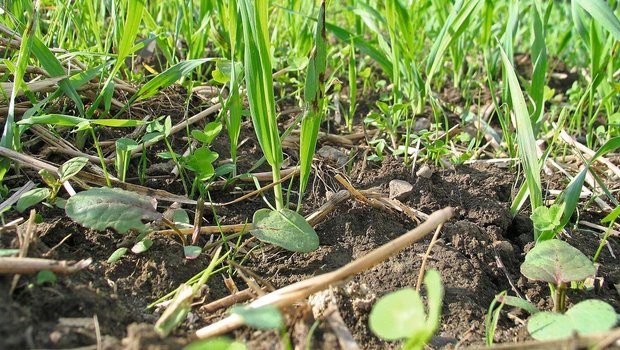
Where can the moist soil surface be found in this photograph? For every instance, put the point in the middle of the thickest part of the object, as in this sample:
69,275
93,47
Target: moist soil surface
478,255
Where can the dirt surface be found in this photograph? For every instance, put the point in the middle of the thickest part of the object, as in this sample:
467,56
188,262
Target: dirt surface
108,301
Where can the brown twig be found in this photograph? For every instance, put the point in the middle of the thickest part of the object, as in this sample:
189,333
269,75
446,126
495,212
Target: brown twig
11,265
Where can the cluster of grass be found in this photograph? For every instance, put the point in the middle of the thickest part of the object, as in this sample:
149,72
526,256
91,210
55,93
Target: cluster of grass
533,78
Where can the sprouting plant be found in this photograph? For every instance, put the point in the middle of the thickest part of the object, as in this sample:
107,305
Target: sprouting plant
259,84
548,220
401,314
124,147
281,226
314,98
54,181
490,321
611,219
559,264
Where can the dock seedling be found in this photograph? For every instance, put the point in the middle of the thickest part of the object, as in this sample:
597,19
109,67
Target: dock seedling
558,263
401,315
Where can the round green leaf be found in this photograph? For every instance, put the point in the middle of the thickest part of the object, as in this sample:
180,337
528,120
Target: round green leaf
556,261
397,315
266,317
549,325
32,197
284,228
100,208
46,276
591,316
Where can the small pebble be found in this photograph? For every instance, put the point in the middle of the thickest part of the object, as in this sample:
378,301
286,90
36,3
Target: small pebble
399,189
425,171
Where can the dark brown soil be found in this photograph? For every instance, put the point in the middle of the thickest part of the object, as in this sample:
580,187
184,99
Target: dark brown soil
468,255
478,254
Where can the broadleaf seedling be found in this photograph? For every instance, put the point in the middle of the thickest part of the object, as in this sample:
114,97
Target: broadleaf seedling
558,263
101,208
37,195
586,317
401,315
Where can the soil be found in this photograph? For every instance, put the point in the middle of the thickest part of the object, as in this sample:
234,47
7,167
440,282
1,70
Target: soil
478,255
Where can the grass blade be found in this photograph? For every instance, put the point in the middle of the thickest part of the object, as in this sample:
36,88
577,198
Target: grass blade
167,78
10,135
452,29
603,14
314,95
259,85
525,136
570,195
539,59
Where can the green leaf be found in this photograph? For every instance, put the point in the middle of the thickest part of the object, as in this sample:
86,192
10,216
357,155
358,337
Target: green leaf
259,82
398,315
603,14
592,316
525,136
46,276
586,317
130,27
454,26
32,197
142,246
52,65
201,163
434,289
284,228
180,217
518,302
167,78
71,168
219,343
192,252
549,325
557,262
266,317
69,120
8,252
314,95
119,253
547,219
570,195
100,208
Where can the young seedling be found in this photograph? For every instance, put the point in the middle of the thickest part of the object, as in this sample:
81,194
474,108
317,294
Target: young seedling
558,263
401,315
281,226
37,195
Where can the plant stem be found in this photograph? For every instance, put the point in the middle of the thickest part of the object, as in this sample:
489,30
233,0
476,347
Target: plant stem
277,188
101,158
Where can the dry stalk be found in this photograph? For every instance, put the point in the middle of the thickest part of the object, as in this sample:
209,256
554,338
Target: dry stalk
13,265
